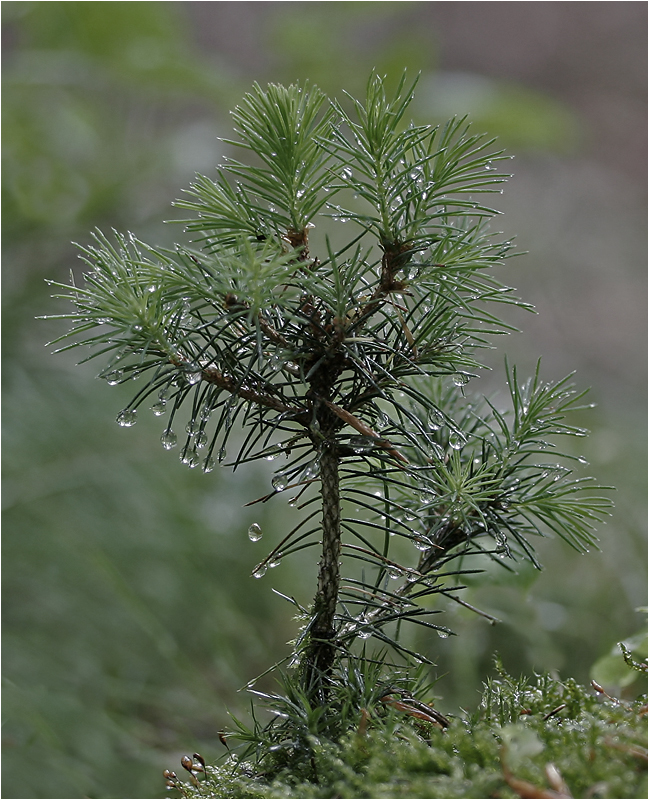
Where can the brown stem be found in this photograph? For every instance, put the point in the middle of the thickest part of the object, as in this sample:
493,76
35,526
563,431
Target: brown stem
322,647
210,374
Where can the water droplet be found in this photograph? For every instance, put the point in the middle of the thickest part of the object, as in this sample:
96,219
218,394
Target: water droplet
254,532
582,460
276,561
394,573
347,174
364,634
114,377
456,441
502,545
435,420
127,417
411,575
200,439
461,379
293,501
190,458
208,465
159,408
259,572
359,444
169,439
137,328
426,495
442,634
279,483
273,453
194,376
163,394
421,543
222,455
311,470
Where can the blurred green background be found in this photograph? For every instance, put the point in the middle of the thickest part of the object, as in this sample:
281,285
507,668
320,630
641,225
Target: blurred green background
130,617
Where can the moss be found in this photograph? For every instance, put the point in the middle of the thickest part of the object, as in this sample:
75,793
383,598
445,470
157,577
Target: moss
546,738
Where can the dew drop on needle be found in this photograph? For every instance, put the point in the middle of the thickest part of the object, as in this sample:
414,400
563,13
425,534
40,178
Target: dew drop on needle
254,532
127,417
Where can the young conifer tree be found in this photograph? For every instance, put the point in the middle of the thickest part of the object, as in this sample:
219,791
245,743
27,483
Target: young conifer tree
352,361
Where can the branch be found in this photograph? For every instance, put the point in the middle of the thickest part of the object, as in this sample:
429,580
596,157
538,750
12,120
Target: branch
211,374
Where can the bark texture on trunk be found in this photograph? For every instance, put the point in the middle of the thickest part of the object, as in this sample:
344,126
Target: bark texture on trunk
322,647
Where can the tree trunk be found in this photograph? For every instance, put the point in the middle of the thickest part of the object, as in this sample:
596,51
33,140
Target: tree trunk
322,648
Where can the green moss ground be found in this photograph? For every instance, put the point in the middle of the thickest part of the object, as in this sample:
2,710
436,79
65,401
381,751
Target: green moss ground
544,738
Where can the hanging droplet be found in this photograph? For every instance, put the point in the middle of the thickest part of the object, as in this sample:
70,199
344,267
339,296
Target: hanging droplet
159,408
311,470
114,377
394,573
222,455
347,174
359,444
426,495
169,439
461,379
502,545
254,532
421,543
192,372
276,561
411,575
200,439
279,483
273,453
188,457
364,634
208,465
435,419
442,634
456,441
127,417
259,572
276,362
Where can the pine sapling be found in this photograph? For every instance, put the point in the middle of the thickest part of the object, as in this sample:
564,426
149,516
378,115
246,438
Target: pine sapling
350,358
